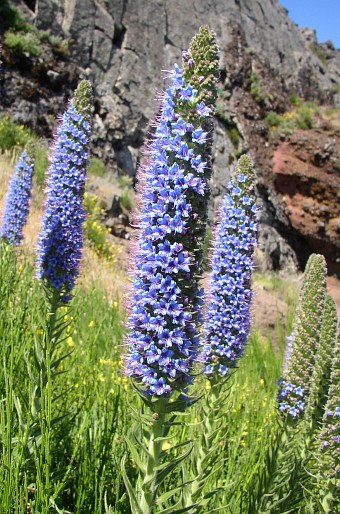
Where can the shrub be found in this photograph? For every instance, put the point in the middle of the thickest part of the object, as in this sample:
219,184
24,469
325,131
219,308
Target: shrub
60,45
256,88
13,134
301,117
272,119
22,42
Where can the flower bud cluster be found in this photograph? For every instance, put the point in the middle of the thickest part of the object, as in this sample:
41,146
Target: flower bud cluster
60,242
17,201
296,378
163,321
227,317
330,433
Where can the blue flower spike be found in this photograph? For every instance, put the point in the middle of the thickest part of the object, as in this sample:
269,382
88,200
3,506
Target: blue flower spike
17,202
167,264
61,238
165,301
227,316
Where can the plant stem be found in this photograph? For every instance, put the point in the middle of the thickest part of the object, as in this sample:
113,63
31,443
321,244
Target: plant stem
149,484
201,462
46,384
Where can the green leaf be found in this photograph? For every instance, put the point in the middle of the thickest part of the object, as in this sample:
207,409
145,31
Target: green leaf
135,455
131,492
164,470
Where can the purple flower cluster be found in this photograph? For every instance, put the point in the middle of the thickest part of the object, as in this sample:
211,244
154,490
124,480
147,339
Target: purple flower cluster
290,398
227,317
164,336
60,242
17,201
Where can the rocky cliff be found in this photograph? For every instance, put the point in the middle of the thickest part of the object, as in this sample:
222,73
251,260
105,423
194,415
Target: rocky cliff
122,46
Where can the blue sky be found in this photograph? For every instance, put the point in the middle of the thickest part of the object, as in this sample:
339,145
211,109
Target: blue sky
322,15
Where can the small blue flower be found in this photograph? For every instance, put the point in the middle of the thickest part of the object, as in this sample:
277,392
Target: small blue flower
17,202
202,109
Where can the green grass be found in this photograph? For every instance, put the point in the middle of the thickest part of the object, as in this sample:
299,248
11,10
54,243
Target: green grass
87,416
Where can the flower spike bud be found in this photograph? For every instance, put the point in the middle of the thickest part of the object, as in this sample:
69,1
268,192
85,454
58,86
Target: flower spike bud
200,67
61,238
297,373
227,317
323,362
167,266
330,433
17,202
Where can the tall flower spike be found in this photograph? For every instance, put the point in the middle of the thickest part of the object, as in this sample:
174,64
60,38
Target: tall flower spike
167,263
60,242
323,362
296,380
227,317
330,433
17,202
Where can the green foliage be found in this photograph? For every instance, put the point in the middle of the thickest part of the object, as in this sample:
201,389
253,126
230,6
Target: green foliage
96,167
21,37
272,119
22,42
127,199
12,18
232,429
41,164
94,229
301,117
60,45
13,135
256,88
294,99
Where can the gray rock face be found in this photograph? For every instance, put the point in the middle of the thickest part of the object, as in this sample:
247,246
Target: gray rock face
122,46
